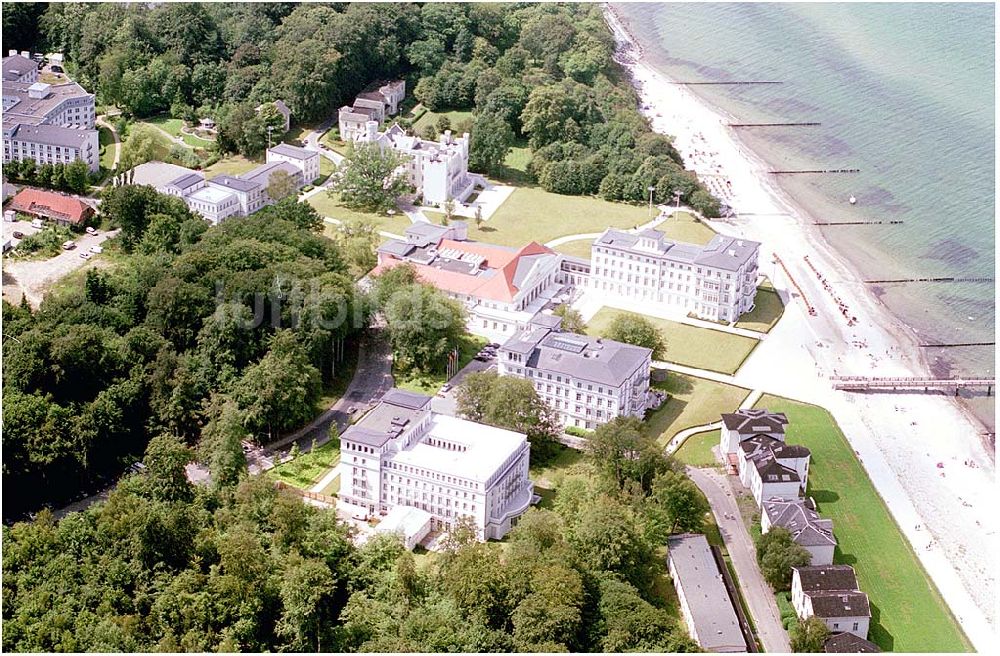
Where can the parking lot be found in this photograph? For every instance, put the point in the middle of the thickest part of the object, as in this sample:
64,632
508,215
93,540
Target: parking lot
33,277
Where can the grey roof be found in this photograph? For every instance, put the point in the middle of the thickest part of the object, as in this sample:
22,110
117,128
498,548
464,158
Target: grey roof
818,578
543,320
755,421
15,66
602,361
841,603
722,252
764,451
158,174
397,410
282,107
235,183
54,135
803,522
262,174
396,247
848,643
525,264
288,150
422,233
187,180
35,110
698,576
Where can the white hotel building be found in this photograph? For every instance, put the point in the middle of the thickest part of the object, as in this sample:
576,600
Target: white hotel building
717,281
403,454
587,381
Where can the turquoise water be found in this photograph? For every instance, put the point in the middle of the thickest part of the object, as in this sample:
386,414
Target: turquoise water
904,92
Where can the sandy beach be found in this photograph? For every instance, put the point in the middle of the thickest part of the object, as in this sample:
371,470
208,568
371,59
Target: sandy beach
924,453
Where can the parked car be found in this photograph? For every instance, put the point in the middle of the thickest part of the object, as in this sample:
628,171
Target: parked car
56,69
85,256
37,223
18,235
91,230
96,249
493,345
68,245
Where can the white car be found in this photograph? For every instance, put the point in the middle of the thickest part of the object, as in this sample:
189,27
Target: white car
91,230
96,249
85,256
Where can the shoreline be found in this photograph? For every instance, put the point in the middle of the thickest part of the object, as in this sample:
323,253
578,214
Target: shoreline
898,438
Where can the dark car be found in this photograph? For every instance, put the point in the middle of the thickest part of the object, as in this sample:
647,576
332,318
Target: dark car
56,69
493,345
18,235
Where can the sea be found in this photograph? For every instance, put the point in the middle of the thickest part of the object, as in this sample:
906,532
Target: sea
902,91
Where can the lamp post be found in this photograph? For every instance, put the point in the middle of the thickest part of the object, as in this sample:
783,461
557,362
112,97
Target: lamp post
651,188
677,198
269,128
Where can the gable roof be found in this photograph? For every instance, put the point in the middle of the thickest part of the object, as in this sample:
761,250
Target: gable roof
808,529
848,643
602,361
47,203
840,603
751,420
820,578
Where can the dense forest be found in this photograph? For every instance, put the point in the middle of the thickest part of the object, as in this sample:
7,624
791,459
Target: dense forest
167,566
534,74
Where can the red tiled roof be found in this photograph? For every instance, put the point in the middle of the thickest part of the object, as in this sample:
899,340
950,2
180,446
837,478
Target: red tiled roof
47,203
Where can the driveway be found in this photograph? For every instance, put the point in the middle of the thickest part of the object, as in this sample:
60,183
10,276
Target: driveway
759,597
447,404
311,142
33,277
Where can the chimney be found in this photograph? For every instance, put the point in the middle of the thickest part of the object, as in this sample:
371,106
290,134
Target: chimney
371,130
26,53
11,53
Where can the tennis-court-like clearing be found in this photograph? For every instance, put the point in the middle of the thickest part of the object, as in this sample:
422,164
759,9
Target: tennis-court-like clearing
908,613
692,346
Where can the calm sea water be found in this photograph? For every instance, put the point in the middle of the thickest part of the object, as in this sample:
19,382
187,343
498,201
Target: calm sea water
904,92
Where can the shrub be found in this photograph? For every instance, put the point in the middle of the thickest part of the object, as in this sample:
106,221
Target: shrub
576,431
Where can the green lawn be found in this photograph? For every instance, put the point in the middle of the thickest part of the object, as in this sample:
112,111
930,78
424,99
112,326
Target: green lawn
431,383
684,226
333,488
577,247
515,165
326,168
230,165
334,143
693,402
693,346
567,462
307,470
533,214
908,614
106,140
768,308
430,118
173,127
330,206
697,449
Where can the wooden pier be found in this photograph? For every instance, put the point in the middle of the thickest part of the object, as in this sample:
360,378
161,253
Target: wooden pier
958,344
799,171
869,384
774,125
842,223
735,82
941,279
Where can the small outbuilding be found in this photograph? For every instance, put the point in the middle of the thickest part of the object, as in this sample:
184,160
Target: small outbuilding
411,524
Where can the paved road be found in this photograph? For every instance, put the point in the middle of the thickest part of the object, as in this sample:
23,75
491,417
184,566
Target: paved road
760,600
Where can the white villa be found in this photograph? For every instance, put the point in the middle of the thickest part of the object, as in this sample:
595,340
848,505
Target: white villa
403,454
772,469
49,123
224,196
808,529
586,380
717,281
439,170
503,289
831,593
373,105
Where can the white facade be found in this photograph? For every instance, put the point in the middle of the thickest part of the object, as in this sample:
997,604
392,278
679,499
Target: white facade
213,204
586,381
403,454
716,282
307,161
771,469
837,601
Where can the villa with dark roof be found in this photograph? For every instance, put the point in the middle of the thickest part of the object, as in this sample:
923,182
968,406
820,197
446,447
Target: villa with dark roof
831,593
586,380
808,529
503,289
375,104
717,281
848,643
772,469
745,423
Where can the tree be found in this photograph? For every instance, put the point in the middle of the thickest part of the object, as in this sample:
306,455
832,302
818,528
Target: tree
637,330
675,505
424,327
77,176
491,140
369,178
166,477
572,321
808,636
621,452
140,147
449,211
777,554
281,185
221,445
479,216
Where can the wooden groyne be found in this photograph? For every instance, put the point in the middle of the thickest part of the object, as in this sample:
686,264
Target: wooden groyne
774,125
735,82
867,383
802,294
798,171
843,223
957,344
940,279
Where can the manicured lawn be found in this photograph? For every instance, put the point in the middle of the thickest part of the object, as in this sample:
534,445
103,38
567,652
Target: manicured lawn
431,383
106,140
333,488
533,214
326,167
692,346
908,614
431,118
577,247
697,449
693,402
330,206
306,470
231,165
331,140
768,308
684,226
567,462
173,127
